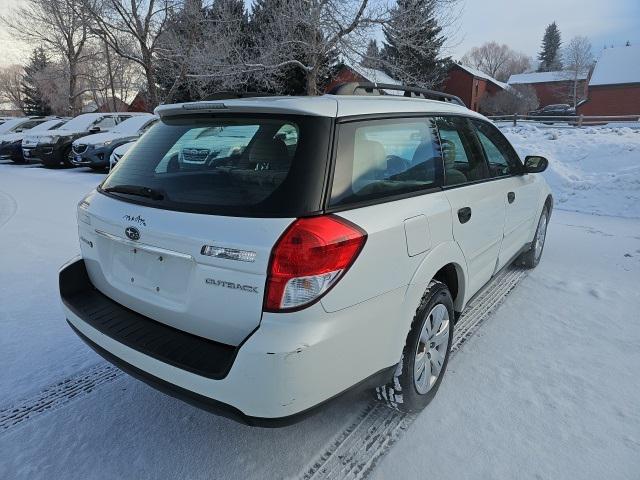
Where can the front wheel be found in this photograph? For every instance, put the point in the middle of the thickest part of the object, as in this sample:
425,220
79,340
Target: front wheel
531,257
425,354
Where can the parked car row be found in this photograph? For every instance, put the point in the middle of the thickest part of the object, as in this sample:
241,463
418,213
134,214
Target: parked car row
86,140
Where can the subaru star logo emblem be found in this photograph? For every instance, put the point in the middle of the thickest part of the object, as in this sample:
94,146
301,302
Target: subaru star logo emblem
133,233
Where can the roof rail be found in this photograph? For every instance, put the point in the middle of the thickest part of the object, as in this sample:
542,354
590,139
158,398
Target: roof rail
227,95
379,89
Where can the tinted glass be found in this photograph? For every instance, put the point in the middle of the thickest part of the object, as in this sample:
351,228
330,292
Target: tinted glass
382,158
463,160
501,157
231,165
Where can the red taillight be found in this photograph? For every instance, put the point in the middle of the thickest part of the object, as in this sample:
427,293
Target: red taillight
309,258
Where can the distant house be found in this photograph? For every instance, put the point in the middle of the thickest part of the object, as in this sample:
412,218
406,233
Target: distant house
550,87
357,73
139,103
471,85
614,87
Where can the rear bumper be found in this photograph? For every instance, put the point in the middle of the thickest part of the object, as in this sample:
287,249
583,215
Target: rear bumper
285,369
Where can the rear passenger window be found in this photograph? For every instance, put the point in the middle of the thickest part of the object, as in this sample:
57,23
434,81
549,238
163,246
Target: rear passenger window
501,157
463,161
382,158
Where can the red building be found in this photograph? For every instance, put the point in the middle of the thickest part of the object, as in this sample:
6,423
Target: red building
471,85
358,73
614,87
551,87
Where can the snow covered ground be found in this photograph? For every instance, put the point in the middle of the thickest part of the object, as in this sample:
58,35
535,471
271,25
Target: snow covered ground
548,387
592,170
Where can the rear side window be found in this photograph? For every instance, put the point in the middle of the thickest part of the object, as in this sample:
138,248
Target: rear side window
501,157
382,158
463,160
231,165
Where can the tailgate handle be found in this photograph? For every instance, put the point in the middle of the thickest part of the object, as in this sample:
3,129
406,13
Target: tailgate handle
511,196
464,214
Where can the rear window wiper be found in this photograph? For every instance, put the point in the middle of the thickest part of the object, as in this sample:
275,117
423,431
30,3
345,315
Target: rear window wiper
140,190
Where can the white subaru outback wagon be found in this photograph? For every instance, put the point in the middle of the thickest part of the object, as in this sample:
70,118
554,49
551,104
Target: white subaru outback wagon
258,256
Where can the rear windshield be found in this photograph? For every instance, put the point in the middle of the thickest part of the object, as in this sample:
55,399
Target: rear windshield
227,165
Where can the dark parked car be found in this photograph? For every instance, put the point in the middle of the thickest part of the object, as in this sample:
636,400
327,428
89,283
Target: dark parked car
11,143
94,151
558,110
53,148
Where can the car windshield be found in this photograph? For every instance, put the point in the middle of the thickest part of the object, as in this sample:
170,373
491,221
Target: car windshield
132,125
11,125
80,123
49,125
232,165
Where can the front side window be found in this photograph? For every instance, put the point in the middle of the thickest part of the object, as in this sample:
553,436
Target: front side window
501,157
463,161
105,123
233,165
382,158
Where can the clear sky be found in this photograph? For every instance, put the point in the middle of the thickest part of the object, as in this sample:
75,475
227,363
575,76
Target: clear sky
518,23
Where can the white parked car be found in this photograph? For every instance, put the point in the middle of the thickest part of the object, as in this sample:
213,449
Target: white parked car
333,246
95,150
118,153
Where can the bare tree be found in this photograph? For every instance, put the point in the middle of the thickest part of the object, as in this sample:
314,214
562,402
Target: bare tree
11,86
302,33
578,60
132,28
62,28
498,61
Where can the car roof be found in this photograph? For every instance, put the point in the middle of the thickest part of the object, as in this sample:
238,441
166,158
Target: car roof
324,106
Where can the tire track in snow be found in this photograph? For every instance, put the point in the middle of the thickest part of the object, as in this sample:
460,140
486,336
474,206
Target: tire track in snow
355,451
8,208
57,395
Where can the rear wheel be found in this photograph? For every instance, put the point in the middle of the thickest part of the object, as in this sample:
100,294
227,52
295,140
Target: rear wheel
425,355
531,257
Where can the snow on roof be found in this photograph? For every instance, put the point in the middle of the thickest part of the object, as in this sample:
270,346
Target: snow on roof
617,66
373,75
480,74
543,77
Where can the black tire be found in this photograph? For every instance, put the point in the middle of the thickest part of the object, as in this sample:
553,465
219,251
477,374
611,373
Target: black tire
401,392
530,258
66,160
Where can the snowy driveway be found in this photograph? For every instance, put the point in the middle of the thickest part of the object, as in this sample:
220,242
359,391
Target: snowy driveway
548,387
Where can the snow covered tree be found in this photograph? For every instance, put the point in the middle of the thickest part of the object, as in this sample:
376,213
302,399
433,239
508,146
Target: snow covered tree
32,95
578,59
550,55
498,61
371,57
413,44
11,90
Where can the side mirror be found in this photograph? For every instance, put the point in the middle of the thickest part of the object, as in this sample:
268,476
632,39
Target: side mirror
535,164
94,130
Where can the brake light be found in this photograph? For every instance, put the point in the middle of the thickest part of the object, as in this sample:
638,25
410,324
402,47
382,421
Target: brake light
309,258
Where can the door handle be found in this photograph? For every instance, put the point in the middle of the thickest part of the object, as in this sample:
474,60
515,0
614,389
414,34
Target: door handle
511,196
464,214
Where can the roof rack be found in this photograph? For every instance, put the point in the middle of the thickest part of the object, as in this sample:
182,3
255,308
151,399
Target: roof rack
227,95
379,89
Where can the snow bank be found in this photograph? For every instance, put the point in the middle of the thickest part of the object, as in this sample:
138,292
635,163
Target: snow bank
592,170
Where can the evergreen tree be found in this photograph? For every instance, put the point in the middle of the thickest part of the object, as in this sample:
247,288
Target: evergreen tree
549,56
371,57
34,103
412,45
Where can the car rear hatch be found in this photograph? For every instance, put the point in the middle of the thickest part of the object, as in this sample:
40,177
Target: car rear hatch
189,245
